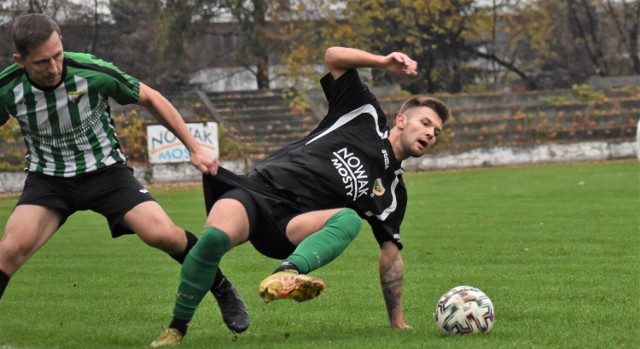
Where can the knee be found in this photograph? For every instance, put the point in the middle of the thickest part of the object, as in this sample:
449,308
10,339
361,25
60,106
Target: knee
13,254
349,221
214,242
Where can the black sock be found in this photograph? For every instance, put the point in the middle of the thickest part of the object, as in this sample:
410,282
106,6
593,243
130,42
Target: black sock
191,241
286,265
4,281
219,280
180,325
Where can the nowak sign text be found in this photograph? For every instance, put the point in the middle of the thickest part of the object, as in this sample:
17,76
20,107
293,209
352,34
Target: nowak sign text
165,147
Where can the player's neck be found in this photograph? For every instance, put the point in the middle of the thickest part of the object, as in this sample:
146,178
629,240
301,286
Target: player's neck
396,145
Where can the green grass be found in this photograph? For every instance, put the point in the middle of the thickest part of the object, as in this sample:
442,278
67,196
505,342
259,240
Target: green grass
557,248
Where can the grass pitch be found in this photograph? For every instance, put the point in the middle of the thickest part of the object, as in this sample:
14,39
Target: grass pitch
556,248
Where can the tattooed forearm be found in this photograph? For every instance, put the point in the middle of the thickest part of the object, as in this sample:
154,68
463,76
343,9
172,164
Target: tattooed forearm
391,277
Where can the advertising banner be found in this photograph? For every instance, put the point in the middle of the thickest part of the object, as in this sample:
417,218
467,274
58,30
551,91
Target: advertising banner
164,147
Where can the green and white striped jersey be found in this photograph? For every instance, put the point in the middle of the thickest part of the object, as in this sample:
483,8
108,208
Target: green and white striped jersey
68,129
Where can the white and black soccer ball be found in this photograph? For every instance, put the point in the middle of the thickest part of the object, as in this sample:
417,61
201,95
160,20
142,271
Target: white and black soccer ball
463,310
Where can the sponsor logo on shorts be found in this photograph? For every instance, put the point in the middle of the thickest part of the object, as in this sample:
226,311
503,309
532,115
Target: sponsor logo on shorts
351,170
143,191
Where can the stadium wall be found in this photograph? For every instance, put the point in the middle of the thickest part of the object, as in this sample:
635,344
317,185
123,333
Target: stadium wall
483,133
11,182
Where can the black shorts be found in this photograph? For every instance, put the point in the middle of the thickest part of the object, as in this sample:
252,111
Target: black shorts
268,216
112,191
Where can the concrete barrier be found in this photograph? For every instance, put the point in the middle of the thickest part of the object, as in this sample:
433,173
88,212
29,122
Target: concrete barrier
503,156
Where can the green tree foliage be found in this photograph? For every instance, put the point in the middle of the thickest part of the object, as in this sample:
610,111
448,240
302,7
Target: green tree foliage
432,32
264,31
137,24
559,43
625,17
259,28
180,23
256,41
464,45
461,45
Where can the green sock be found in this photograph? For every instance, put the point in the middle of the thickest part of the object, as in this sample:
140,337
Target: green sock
199,270
322,247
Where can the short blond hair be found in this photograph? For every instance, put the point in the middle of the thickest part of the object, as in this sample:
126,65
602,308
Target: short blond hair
430,102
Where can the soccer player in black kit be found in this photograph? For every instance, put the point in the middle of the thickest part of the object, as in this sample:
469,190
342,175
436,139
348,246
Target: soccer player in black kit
305,203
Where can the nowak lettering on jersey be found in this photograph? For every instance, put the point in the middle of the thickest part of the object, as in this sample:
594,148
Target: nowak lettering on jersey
351,170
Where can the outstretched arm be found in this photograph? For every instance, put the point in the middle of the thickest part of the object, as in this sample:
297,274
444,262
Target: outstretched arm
340,59
169,117
391,278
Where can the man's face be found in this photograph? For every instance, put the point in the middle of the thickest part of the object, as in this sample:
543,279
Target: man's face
420,129
44,62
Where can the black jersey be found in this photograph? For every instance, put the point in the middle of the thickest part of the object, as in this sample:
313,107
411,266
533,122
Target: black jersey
347,161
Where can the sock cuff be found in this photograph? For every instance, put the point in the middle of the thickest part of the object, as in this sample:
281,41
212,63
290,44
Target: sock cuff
347,220
191,241
345,214
287,265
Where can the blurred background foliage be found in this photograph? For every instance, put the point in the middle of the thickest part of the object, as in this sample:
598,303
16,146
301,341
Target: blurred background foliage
461,45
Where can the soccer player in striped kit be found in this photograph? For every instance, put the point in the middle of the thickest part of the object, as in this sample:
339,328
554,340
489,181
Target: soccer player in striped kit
304,203
74,159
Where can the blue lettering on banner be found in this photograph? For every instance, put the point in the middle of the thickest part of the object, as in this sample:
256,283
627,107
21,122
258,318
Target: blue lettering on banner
178,153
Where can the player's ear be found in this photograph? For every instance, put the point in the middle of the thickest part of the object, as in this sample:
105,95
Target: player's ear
401,121
18,59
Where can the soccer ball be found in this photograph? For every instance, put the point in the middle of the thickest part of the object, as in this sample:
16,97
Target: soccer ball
463,310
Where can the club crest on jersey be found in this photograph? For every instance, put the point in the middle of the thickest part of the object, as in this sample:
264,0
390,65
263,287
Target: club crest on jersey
74,96
351,170
378,188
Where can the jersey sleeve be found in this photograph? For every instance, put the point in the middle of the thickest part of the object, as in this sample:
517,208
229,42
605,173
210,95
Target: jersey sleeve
113,82
386,231
7,76
127,88
387,227
345,94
